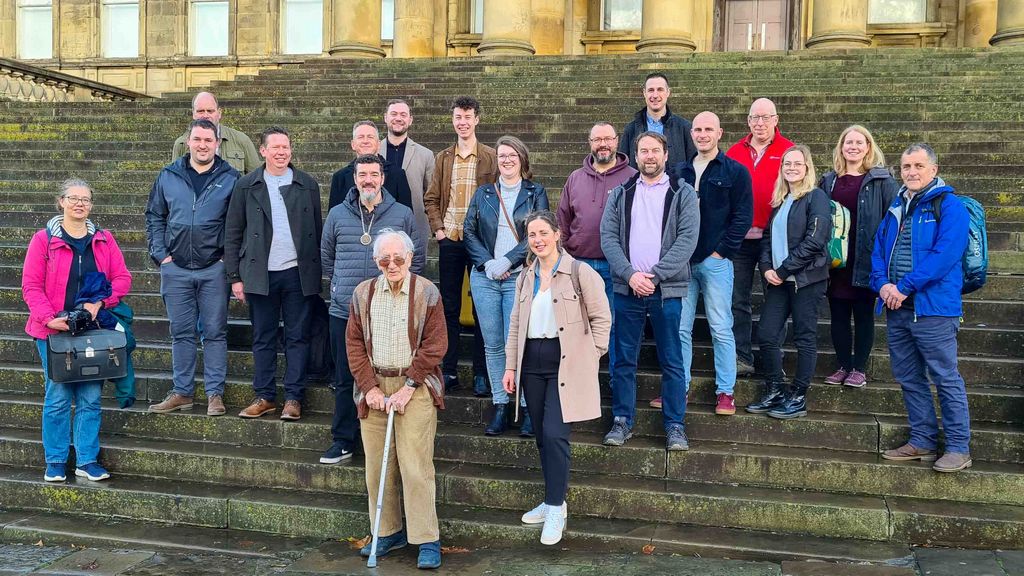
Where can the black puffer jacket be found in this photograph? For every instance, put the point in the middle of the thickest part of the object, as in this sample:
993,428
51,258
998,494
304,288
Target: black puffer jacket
808,231
677,132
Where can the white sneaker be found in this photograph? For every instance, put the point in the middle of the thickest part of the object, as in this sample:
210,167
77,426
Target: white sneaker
554,523
537,515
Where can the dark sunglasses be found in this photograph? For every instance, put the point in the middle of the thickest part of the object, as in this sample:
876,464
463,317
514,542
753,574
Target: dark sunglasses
385,262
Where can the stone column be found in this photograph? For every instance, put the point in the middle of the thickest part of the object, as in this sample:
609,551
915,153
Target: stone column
979,22
508,25
1009,24
667,26
839,24
414,29
356,30
549,26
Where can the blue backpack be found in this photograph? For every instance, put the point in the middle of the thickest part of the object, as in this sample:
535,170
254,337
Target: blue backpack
975,260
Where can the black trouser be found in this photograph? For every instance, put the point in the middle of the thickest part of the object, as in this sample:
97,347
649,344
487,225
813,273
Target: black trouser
861,338
779,303
345,424
743,263
284,299
453,264
539,380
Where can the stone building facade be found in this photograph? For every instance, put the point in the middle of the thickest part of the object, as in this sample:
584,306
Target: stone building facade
157,46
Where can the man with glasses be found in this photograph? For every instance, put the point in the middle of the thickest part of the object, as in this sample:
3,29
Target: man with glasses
656,117
185,221
761,153
347,260
233,146
583,200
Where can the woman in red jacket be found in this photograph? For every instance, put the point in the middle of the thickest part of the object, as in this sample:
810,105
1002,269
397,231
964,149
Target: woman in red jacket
58,259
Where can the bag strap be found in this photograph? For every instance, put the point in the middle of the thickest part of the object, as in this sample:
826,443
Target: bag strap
575,276
511,224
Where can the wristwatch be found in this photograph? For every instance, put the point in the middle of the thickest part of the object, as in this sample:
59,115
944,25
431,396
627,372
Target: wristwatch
411,383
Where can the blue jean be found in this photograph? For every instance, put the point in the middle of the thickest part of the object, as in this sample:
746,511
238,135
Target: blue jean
630,312
713,278
57,418
191,295
927,346
494,300
601,267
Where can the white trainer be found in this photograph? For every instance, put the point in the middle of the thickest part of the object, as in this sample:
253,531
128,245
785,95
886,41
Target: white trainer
554,524
537,515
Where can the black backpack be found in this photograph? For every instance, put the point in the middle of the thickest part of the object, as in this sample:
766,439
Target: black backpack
320,365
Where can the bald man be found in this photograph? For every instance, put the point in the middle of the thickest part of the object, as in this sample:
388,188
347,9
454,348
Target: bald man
761,152
726,208
233,146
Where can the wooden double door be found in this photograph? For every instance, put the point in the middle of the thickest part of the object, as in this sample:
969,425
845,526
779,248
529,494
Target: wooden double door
756,24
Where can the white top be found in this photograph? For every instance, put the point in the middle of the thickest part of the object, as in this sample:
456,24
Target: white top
282,254
542,317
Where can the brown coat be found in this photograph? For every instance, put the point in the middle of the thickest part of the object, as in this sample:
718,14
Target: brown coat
428,338
435,199
578,387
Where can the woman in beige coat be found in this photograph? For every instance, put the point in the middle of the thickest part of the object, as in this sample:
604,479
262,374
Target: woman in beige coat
561,312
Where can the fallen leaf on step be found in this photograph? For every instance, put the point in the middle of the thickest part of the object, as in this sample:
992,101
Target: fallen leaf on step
40,543
454,550
648,549
357,544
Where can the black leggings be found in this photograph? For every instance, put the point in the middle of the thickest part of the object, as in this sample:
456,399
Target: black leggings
540,385
861,338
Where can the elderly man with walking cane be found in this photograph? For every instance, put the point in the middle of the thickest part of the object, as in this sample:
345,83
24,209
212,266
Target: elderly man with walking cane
396,339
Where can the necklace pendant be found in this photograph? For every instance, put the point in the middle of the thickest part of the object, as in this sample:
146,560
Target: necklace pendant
365,239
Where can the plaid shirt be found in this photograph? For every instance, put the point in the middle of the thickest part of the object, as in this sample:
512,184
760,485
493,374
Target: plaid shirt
463,186
389,323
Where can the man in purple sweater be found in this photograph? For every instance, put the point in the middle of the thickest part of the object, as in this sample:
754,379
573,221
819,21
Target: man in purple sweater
583,199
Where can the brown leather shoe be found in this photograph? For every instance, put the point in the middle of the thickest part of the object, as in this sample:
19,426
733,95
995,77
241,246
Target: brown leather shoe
909,452
953,462
215,406
258,408
292,410
173,402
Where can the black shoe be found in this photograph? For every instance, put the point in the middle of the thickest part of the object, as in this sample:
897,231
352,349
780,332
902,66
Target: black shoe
481,387
526,428
451,384
794,405
774,394
499,423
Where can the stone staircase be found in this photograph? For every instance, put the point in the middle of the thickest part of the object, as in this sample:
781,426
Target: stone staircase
750,487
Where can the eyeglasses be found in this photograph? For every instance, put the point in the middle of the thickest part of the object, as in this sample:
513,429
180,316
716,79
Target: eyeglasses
385,262
605,140
78,200
762,118
507,157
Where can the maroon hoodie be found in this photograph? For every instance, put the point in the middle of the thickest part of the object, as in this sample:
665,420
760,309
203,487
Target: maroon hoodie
582,205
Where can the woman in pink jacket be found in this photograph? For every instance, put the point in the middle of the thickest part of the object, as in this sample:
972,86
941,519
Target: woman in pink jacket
58,259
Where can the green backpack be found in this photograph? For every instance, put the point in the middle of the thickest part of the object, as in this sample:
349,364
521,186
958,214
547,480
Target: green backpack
839,243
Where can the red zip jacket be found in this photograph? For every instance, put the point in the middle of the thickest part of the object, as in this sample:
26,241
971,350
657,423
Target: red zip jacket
763,175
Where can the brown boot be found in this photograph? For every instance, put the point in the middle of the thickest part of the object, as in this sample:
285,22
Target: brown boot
258,408
215,406
909,452
173,402
292,410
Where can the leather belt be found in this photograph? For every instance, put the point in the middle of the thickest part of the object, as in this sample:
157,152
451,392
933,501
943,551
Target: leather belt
389,372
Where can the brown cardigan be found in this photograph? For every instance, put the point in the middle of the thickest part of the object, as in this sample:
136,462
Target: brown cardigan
428,338
435,200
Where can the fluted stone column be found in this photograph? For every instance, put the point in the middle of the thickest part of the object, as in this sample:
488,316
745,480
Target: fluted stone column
979,22
549,26
508,26
414,29
839,24
667,26
1009,24
356,32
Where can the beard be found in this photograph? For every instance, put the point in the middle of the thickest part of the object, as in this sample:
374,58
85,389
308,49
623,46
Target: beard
604,156
399,131
651,170
367,197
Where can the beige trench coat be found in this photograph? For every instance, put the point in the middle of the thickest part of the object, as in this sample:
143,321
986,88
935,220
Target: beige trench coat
578,387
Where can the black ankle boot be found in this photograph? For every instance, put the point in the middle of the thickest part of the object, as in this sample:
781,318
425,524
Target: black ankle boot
774,393
481,387
499,423
526,428
794,405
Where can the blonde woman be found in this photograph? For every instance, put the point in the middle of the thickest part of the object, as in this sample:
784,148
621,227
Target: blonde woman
860,182
795,262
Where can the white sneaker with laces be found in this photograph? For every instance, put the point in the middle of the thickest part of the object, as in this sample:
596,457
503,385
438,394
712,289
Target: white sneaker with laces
537,515
554,524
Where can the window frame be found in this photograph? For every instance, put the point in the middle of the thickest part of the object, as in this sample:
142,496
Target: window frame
922,7
105,32
601,15
284,27
20,27
192,21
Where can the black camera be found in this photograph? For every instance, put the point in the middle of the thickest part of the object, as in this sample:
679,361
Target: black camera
79,320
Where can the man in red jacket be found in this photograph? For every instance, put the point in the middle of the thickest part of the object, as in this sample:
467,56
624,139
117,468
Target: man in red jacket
761,152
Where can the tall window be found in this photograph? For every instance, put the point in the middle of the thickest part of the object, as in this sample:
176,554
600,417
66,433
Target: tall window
621,14
208,28
303,26
476,14
120,20
35,29
387,20
897,11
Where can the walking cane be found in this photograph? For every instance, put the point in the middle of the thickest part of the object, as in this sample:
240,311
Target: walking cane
372,561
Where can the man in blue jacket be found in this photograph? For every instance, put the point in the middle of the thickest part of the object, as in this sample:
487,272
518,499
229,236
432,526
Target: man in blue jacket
185,220
916,270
